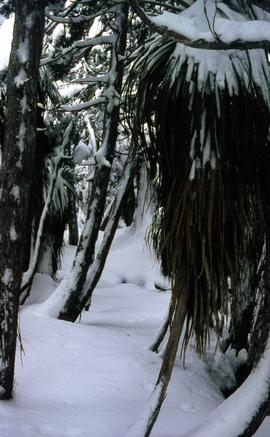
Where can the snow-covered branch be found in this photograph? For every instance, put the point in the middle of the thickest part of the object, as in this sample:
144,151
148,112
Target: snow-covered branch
82,106
85,43
97,79
69,20
184,28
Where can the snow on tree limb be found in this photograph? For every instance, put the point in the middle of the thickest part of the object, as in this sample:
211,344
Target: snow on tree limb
229,33
82,106
81,19
85,43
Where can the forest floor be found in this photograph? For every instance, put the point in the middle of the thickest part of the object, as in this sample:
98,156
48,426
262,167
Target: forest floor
93,378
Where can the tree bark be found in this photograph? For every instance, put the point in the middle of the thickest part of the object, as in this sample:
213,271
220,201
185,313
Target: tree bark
16,173
164,328
73,237
144,425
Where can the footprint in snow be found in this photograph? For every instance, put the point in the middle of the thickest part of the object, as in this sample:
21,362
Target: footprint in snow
188,408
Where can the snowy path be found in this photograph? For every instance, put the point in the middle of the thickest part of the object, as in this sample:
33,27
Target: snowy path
93,378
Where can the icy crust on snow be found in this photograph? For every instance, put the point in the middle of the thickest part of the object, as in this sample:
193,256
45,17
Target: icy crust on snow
194,23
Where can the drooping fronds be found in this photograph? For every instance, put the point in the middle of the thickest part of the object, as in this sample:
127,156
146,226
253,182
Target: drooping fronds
204,119
56,217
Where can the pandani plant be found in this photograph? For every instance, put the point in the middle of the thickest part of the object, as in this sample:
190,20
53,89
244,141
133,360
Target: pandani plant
203,119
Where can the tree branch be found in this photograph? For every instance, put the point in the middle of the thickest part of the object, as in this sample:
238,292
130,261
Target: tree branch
79,19
199,43
82,106
263,4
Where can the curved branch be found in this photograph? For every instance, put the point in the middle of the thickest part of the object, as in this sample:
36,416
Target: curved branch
198,43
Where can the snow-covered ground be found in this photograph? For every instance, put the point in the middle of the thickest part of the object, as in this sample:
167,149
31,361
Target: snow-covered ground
93,378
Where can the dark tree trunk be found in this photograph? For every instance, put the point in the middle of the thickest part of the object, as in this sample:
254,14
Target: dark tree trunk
72,221
128,207
16,173
36,193
164,328
44,258
145,423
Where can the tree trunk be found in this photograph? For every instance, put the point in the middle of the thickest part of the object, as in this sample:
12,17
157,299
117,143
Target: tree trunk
97,267
16,173
144,425
73,236
30,273
164,328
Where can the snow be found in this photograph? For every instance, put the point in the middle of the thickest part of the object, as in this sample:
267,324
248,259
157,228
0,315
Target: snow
7,277
23,104
20,78
16,192
21,139
93,378
230,417
194,24
81,152
23,51
82,106
13,233
100,157
58,33
6,28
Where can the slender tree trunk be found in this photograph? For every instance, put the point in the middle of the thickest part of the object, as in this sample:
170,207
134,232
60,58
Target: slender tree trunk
29,275
73,237
168,362
36,192
65,299
164,328
16,173
97,267
144,425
